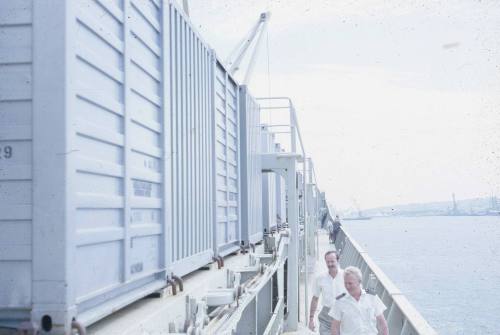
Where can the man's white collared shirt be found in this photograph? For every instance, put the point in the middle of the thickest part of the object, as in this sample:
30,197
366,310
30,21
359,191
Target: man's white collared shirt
329,288
358,317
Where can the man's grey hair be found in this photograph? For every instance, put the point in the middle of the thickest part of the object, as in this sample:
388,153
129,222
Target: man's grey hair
352,270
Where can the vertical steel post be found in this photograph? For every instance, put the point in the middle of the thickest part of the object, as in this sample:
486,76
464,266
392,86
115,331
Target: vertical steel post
306,232
293,248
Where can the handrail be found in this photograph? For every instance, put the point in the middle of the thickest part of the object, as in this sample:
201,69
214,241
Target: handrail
401,316
294,133
294,122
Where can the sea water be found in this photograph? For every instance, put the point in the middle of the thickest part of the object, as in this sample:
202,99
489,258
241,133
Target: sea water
447,266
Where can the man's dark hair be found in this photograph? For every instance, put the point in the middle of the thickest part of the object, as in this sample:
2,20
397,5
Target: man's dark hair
332,252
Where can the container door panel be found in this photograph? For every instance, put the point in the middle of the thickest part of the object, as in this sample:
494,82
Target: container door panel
226,146
193,211
118,146
251,174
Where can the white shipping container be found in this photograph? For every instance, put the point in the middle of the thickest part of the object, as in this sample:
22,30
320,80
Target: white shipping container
251,173
226,163
84,118
192,217
119,148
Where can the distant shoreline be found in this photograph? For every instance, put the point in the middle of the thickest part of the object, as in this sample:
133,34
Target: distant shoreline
422,215
489,206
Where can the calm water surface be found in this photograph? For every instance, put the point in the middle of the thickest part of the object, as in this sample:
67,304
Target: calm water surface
448,267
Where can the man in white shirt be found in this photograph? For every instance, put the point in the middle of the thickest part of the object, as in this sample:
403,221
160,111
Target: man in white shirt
357,312
327,285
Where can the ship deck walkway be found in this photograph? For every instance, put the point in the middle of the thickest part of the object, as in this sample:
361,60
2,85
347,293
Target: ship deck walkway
152,316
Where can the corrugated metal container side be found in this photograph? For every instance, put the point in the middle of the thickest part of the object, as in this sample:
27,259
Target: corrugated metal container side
281,215
86,78
16,147
117,98
268,145
226,161
193,196
251,174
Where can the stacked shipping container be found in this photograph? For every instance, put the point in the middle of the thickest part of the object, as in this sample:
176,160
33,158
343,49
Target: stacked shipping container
250,169
16,147
191,226
226,121
119,157
91,203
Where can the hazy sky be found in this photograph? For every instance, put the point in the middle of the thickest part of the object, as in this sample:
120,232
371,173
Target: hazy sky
399,101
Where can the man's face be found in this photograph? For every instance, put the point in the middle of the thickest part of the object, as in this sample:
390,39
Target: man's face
352,285
331,261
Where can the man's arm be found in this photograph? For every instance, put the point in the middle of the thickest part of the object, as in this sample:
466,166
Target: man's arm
335,327
312,310
382,325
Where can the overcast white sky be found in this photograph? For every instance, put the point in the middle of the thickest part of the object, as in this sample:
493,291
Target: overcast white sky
399,101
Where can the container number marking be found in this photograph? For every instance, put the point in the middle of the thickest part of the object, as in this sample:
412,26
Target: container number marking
6,152
142,188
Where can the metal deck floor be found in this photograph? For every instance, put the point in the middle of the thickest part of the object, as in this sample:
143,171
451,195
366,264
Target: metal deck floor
152,316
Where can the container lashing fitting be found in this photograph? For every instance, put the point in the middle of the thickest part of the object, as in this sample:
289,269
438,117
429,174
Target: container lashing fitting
179,282
217,259
221,261
242,248
79,327
27,328
172,283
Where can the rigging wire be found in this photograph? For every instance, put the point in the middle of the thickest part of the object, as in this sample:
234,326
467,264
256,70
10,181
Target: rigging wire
268,64
268,71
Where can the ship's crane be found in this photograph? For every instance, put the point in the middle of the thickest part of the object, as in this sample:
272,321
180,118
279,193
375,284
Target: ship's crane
185,7
233,62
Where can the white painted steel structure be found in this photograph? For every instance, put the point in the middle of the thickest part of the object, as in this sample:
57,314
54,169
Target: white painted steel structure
280,195
254,37
284,163
313,208
269,181
262,300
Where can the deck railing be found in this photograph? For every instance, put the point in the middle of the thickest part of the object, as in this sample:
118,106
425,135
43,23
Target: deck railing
401,316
